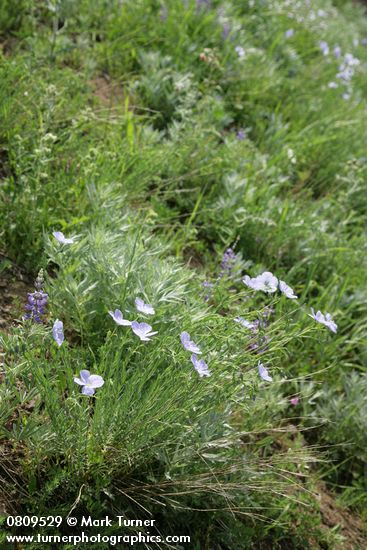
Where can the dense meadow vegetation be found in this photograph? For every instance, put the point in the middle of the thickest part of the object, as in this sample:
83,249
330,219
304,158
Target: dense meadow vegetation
200,167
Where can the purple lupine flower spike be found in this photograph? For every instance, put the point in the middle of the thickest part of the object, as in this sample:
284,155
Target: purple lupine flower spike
58,332
59,236
37,301
143,307
228,262
200,366
89,382
226,30
188,344
119,318
143,330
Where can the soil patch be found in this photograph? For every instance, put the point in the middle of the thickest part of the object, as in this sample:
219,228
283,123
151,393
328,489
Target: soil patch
14,285
350,525
7,45
109,93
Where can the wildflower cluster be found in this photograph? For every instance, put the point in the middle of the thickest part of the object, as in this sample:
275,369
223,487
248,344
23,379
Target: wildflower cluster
266,282
269,283
300,11
37,302
143,330
346,70
199,364
346,73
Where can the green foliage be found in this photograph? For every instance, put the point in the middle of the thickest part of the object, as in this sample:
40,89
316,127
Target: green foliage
12,16
344,410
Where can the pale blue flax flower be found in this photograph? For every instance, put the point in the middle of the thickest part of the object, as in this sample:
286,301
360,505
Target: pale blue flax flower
143,330
264,373
200,366
143,307
119,318
287,290
324,320
245,323
267,282
59,236
324,47
337,51
89,382
289,33
188,344
250,282
58,332
240,52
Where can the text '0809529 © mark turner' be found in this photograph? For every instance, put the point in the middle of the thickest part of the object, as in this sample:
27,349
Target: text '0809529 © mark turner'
88,521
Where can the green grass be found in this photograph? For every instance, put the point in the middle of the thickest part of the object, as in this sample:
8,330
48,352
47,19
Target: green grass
150,177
